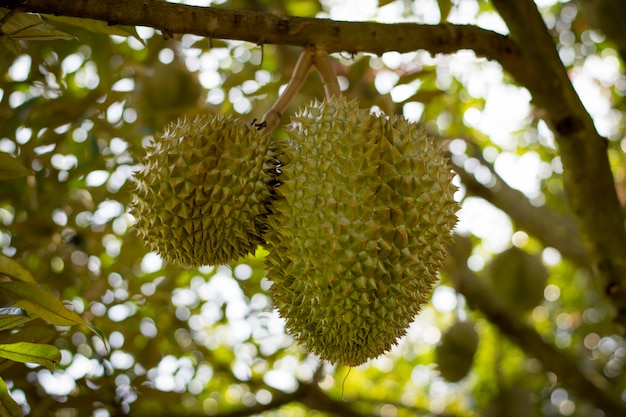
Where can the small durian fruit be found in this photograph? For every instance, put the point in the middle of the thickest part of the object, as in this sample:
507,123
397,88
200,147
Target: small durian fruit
455,352
204,190
519,278
359,231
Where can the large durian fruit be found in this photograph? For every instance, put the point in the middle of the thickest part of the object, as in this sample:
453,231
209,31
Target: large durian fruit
360,230
204,190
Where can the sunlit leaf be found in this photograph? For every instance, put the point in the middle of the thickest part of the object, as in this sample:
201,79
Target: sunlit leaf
27,26
34,334
11,168
43,304
8,406
14,270
44,355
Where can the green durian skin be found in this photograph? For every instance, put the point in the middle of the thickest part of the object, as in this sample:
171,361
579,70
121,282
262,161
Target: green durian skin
359,231
455,352
519,278
204,190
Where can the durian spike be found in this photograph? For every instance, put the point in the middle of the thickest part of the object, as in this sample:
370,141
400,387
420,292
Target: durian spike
327,72
271,119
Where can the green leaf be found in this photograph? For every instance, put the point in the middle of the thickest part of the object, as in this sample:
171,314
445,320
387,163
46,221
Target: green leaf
425,96
33,333
444,9
14,270
8,406
97,26
11,168
14,321
27,26
44,355
43,304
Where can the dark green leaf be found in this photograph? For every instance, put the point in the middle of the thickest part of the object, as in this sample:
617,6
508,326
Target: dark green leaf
97,26
444,9
26,26
11,168
43,304
424,96
14,321
8,406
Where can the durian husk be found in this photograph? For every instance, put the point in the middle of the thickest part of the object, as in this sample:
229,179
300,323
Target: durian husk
454,355
359,231
519,278
204,190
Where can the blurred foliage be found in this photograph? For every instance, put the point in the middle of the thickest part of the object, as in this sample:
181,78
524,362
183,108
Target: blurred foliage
76,107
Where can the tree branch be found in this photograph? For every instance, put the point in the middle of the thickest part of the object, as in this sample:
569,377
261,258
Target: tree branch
550,228
587,175
588,384
267,28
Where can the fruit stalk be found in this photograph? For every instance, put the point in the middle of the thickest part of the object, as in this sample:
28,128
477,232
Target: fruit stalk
272,117
327,72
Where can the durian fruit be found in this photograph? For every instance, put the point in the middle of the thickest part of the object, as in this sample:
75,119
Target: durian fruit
455,352
204,190
360,230
519,278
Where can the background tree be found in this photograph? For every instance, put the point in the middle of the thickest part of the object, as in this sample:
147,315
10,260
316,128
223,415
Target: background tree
538,268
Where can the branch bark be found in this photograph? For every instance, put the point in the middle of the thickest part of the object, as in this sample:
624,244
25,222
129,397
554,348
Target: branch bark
266,28
552,229
587,175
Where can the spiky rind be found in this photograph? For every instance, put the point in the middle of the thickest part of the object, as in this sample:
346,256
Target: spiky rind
455,352
204,190
360,230
519,278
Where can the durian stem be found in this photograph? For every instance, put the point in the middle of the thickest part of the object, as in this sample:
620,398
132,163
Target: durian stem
271,119
327,72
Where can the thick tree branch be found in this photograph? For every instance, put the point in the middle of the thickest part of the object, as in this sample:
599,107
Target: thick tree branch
588,384
266,28
552,229
587,175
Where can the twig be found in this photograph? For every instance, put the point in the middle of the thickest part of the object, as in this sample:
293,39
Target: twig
271,119
327,73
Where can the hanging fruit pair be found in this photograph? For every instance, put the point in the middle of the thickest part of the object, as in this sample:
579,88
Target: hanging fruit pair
356,232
